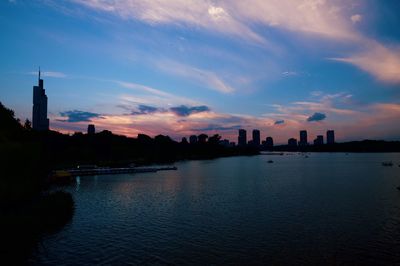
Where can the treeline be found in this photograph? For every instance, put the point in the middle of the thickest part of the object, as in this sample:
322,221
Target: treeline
105,148
53,150
27,209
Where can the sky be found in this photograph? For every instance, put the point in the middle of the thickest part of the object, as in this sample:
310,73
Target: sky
183,67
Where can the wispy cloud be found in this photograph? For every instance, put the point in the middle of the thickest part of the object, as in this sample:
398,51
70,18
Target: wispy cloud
192,13
140,87
51,74
209,78
378,60
313,19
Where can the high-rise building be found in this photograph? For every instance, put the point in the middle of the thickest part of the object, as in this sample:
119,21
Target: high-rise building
269,143
303,138
39,112
292,142
242,139
330,137
319,140
91,130
256,137
193,139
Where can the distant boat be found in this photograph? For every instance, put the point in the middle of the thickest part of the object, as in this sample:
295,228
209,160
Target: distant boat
387,164
270,161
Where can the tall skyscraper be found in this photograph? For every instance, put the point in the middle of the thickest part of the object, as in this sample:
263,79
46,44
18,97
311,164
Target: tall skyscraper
256,137
303,138
91,130
330,137
242,139
39,112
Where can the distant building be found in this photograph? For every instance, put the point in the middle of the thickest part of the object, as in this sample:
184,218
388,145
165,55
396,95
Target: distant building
269,143
292,142
193,139
202,138
256,137
224,143
91,130
242,139
330,137
319,140
39,112
303,138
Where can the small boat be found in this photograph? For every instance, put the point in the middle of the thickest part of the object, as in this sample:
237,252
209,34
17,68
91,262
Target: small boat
270,161
387,164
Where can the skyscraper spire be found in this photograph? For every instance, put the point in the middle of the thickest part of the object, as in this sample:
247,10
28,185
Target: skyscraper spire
39,75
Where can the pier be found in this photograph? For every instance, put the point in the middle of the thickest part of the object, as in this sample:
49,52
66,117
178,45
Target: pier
110,171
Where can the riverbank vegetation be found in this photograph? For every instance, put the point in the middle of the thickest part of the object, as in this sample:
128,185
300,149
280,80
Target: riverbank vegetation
27,209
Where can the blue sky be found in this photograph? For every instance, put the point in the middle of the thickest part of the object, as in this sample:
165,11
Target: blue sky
179,67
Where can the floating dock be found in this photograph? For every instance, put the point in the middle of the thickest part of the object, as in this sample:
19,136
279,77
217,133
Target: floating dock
111,171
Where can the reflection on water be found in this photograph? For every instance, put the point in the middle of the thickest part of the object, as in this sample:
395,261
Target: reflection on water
328,208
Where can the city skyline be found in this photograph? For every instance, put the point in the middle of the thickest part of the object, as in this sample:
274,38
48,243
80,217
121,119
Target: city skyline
150,69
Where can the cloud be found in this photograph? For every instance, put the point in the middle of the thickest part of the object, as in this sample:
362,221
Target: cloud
148,95
78,116
218,127
184,110
289,73
136,86
146,109
244,19
378,60
279,122
51,74
192,13
356,18
209,78
316,117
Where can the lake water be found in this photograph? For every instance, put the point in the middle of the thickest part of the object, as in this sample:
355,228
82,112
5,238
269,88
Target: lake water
330,208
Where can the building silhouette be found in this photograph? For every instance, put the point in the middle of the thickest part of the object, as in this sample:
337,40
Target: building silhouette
224,142
319,140
330,137
269,143
242,139
256,137
202,138
91,130
39,113
193,139
292,142
303,138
